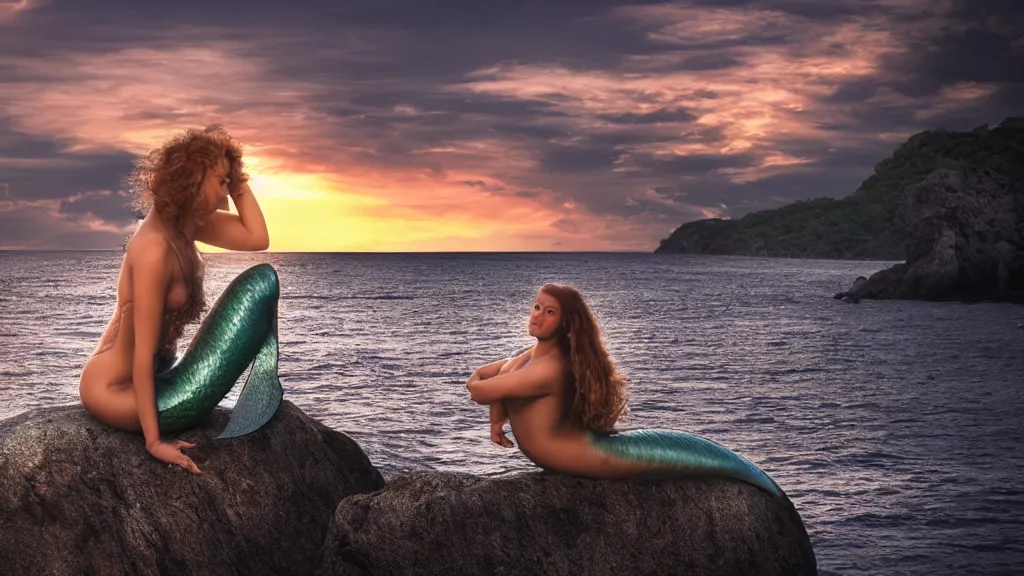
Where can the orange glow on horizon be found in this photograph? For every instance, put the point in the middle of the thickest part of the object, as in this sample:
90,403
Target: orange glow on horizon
315,213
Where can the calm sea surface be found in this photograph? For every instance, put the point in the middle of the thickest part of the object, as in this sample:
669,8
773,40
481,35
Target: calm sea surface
895,427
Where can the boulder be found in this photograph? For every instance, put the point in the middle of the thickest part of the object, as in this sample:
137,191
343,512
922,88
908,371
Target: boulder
77,497
545,523
850,295
966,241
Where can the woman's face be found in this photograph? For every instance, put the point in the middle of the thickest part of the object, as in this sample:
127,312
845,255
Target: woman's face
215,188
546,317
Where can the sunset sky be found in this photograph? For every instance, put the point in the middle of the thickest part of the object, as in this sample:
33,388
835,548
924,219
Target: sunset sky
411,125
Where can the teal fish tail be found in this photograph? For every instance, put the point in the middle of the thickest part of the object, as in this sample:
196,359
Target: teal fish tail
239,331
684,453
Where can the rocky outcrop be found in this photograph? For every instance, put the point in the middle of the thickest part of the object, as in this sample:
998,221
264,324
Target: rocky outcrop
966,241
79,498
298,498
850,295
543,523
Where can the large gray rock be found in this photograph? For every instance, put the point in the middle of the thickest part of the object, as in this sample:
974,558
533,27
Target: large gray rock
966,241
79,498
544,523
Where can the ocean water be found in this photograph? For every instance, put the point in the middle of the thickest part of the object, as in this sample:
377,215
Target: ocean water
895,427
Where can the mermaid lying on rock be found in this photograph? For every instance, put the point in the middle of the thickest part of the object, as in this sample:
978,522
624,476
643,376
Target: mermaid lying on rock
563,396
131,381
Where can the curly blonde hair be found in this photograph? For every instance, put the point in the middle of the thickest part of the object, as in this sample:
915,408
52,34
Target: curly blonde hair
601,393
170,179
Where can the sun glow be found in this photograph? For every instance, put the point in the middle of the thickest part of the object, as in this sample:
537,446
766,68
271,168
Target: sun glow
317,213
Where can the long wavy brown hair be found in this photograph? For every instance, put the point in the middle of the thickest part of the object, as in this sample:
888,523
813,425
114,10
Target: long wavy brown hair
601,392
170,179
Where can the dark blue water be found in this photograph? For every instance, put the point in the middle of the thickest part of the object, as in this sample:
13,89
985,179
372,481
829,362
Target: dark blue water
895,427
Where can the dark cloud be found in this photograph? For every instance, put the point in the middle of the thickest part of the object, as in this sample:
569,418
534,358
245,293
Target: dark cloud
854,92
562,159
774,191
35,168
484,186
656,117
974,56
528,130
60,176
1005,102
692,164
37,227
108,206
708,62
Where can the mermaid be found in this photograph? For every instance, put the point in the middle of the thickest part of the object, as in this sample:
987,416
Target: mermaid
133,380
563,396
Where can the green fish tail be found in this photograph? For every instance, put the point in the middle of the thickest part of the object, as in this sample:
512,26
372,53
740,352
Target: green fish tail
239,331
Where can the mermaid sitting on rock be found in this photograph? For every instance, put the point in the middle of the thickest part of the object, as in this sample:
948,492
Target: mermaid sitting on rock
563,397
131,381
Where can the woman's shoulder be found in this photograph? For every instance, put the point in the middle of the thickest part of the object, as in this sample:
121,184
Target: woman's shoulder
555,365
147,247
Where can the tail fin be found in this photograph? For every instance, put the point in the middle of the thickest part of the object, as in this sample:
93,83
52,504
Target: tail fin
261,395
685,453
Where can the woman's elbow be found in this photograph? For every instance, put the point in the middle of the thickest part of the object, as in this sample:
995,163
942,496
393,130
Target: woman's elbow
260,244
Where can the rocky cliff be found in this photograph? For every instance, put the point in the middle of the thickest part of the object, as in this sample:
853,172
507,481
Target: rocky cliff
966,241
863,225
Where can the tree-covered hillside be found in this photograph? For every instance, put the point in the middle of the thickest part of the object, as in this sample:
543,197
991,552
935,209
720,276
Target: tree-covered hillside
864,224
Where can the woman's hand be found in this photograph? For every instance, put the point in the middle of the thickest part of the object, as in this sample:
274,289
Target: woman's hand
498,436
245,231
243,189
170,452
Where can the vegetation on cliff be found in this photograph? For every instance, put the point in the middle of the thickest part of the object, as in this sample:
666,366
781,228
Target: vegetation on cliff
863,225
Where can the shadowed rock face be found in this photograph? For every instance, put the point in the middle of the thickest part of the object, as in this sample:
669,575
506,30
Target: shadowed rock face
544,523
79,498
966,241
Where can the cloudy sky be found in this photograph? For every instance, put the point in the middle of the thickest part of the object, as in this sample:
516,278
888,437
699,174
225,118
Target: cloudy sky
406,125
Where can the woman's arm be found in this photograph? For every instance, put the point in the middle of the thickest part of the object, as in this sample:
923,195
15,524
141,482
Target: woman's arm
486,371
536,379
245,231
498,416
494,368
150,278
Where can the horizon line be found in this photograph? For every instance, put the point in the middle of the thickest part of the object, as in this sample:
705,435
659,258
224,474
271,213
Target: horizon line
350,251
